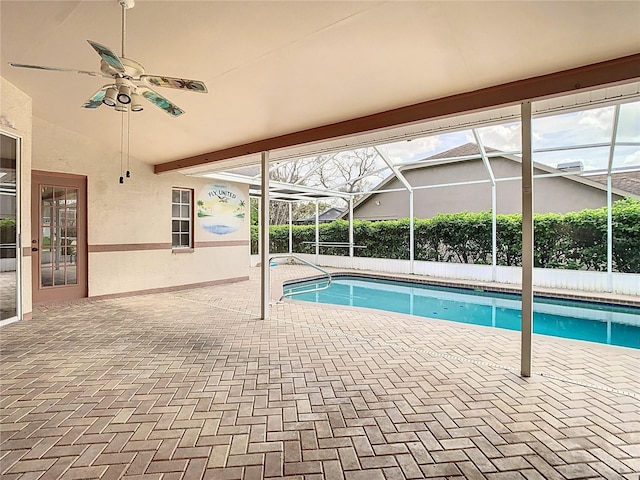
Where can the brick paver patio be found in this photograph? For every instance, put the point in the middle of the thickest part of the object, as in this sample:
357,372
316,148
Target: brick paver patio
191,384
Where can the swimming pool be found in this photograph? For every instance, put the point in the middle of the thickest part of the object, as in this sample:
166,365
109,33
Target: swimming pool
593,322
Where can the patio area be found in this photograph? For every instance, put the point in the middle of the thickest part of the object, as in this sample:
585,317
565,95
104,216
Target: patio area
191,384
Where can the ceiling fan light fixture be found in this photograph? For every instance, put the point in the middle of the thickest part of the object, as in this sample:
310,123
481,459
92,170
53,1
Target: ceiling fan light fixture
121,107
136,103
124,94
110,97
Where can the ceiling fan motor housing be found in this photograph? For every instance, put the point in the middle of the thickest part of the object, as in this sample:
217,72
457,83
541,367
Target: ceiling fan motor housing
132,69
127,4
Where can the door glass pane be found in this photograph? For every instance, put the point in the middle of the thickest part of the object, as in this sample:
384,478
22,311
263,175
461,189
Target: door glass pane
58,196
8,228
58,266
71,275
58,236
72,193
47,196
46,272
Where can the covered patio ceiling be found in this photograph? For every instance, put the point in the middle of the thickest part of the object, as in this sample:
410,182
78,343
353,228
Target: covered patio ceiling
580,135
273,68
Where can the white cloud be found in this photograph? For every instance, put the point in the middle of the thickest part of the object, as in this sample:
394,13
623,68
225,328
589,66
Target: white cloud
599,118
629,126
501,137
415,149
575,128
632,160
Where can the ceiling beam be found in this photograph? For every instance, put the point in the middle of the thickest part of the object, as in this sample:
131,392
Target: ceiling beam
617,70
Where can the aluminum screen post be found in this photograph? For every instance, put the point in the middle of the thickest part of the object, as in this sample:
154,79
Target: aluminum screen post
609,235
351,226
527,242
317,231
494,203
412,252
265,280
290,228
259,228
612,150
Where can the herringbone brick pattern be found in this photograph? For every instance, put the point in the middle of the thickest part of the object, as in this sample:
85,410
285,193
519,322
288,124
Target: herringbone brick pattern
193,385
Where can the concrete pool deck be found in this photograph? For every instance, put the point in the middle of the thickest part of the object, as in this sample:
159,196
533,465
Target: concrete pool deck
191,384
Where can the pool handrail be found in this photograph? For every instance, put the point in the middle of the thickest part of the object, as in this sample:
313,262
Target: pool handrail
312,265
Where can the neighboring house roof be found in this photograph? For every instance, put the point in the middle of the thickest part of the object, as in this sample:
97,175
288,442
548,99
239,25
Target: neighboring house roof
624,184
326,216
466,150
627,181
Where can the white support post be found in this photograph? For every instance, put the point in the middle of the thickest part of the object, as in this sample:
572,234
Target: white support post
290,228
351,248
317,232
265,281
527,242
412,247
612,149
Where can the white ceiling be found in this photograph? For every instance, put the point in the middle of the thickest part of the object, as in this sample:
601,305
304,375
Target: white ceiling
278,67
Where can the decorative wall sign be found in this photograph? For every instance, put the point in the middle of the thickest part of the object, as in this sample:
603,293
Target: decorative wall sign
221,208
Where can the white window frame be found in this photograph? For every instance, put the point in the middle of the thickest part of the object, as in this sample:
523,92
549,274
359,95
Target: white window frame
181,218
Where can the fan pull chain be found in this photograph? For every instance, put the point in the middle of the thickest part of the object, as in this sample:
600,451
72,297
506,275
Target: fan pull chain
121,147
128,174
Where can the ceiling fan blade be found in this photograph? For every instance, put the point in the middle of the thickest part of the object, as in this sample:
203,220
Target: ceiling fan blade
108,56
96,100
56,69
172,82
161,102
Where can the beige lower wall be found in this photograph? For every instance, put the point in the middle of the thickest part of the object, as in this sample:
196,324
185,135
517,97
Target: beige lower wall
133,271
16,121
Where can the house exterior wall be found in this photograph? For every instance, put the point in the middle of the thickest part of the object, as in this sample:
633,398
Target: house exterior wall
556,194
16,120
129,225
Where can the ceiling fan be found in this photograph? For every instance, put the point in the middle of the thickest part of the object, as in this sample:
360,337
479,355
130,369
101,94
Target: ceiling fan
128,80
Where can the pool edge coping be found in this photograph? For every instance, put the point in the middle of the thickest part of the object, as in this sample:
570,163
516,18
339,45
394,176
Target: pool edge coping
588,297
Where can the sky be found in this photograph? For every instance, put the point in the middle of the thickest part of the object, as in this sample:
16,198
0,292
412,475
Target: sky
570,129
586,127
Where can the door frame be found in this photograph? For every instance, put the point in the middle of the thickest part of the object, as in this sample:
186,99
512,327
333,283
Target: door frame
19,250
81,289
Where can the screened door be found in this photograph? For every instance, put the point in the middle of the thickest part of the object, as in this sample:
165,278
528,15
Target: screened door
59,238
9,251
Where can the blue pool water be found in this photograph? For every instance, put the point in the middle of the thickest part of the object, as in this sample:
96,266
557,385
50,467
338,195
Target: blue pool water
593,322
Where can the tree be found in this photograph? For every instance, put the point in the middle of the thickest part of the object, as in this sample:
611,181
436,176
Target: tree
348,172
344,172
253,206
297,171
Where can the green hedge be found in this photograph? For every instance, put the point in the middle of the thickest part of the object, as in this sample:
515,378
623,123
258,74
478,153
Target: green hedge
576,240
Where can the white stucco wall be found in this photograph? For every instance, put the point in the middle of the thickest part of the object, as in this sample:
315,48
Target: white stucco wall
136,213
15,120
